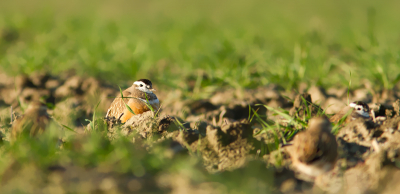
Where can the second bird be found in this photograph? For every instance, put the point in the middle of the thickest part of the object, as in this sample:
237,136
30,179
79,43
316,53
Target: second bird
357,109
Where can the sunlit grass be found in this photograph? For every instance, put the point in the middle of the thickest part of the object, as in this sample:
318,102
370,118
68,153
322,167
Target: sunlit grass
244,45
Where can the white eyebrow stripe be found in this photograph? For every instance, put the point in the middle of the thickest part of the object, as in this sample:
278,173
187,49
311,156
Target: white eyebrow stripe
138,83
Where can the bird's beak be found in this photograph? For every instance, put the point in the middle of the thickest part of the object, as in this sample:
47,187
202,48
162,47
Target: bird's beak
152,89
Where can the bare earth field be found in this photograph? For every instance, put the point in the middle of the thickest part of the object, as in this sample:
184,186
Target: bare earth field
218,143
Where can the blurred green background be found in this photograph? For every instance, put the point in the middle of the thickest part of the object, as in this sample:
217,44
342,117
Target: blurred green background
242,44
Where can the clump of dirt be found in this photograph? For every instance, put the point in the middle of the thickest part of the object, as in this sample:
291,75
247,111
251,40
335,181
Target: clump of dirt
147,124
227,147
222,148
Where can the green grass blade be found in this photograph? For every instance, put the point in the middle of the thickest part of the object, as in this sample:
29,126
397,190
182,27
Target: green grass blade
155,115
90,123
249,113
148,103
286,116
255,112
70,128
337,126
127,107
348,91
94,115
262,122
177,122
393,82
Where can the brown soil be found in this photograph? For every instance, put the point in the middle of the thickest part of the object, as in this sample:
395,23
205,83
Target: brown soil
217,130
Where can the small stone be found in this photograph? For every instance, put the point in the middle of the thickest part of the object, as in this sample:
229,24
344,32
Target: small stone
39,78
73,82
317,94
333,105
52,84
396,106
362,95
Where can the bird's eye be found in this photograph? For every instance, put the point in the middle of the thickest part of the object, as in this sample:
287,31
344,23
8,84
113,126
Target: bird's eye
141,85
358,108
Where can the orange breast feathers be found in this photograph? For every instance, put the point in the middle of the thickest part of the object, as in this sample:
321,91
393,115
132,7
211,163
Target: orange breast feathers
138,107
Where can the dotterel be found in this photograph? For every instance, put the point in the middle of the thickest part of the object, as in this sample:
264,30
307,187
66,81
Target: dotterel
135,98
358,109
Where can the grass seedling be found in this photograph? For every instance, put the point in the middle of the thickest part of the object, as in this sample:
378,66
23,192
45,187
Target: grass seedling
336,127
69,128
197,85
298,123
179,124
158,111
92,122
148,103
307,111
151,107
266,127
127,107
250,118
348,91
285,115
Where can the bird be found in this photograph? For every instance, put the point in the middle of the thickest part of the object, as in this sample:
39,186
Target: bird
33,122
356,109
135,97
315,150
